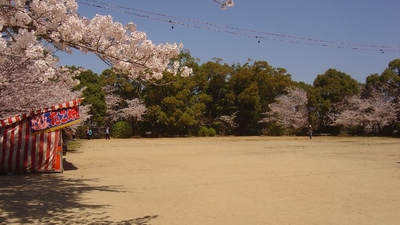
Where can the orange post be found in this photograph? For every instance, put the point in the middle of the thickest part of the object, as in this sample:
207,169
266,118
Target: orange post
58,160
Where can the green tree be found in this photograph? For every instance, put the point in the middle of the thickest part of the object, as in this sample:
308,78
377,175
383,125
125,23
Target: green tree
388,81
255,87
330,88
93,94
121,85
394,66
121,129
177,105
249,110
217,75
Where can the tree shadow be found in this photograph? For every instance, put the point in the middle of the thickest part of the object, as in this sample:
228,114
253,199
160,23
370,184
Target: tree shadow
53,199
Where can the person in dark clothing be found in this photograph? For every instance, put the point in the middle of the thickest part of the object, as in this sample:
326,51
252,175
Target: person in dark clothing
310,131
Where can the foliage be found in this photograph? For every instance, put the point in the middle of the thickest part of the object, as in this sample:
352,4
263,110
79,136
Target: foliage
329,89
32,31
207,132
118,108
254,87
216,75
289,110
274,130
374,111
177,103
121,129
226,124
93,95
229,99
249,91
81,131
142,86
211,132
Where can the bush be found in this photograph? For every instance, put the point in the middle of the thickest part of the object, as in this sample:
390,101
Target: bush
212,132
81,132
206,132
203,131
273,130
122,129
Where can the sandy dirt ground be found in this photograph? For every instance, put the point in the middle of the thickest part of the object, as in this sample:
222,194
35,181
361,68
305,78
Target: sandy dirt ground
224,180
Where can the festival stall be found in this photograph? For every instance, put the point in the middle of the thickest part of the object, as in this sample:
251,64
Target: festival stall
33,142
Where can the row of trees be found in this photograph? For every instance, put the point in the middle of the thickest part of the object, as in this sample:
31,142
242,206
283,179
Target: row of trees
142,87
250,99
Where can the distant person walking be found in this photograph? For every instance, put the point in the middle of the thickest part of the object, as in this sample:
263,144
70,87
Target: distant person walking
310,131
108,133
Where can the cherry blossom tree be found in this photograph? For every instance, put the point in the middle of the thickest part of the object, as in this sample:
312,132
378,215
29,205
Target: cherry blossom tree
84,113
118,108
32,30
227,123
131,110
290,110
21,93
382,111
376,110
352,112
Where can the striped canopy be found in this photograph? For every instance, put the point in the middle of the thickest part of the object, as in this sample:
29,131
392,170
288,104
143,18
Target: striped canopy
23,149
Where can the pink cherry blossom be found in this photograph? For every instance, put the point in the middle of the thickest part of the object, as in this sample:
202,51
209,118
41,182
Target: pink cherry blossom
30,77
290,110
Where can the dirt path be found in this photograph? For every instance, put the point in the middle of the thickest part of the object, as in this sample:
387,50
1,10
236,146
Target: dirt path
232,180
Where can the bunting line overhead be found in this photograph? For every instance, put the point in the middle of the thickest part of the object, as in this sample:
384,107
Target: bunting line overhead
238,31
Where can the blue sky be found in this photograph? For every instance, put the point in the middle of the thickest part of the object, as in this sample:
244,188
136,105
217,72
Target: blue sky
276,31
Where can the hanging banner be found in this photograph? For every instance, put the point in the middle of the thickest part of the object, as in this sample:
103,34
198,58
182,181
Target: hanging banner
55,119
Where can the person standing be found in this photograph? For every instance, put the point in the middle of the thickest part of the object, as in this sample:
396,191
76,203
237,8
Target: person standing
108,133
310,131
89,134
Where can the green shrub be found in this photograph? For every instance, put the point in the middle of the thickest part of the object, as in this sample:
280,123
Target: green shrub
207,132
203,131
81,132
273,130
122,129
212,132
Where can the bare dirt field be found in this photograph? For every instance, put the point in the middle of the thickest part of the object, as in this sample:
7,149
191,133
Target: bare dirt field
222,180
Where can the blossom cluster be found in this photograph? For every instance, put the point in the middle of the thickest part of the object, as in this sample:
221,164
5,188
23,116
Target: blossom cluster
375,111
289,110
30,77
115,111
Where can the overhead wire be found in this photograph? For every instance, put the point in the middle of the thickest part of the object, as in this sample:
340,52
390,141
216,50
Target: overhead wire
237,31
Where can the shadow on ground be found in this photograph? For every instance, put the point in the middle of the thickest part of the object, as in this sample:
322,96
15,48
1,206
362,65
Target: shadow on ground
54,199
68,166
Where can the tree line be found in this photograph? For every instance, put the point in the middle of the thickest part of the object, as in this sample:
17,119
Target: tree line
253,98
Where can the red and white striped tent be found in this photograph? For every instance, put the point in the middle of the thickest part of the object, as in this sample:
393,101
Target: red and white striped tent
32,142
